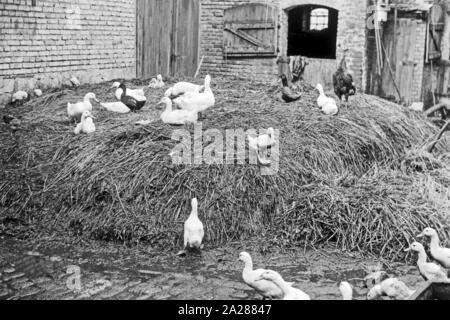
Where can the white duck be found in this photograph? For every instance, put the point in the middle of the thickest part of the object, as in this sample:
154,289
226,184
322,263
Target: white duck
38,92
19,96
182,88
429,271
328,105
346,291
392,288
177,117
157,83
75,81
75,111
440,254
193,229
116,107
262,141
86,125
288,292
138,94
267,289
197,101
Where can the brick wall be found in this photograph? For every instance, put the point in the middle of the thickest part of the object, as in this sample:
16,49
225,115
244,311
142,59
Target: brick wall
351,35
43,43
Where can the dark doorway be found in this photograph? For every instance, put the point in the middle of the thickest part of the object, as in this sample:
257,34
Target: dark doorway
313,32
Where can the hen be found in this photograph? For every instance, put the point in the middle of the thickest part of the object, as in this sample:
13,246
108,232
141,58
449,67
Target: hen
343,81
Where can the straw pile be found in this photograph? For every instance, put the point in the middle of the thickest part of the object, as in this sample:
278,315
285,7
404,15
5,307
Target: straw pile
342,180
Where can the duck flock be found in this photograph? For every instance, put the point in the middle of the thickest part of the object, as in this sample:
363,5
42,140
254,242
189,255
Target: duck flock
186,103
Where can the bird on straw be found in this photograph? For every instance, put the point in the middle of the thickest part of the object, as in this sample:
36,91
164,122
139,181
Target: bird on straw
267,288
343,80
429,271
288,291
286,94
20,97
196,101
346,290
182,88
392,288
86,125
131,102
438,253
193,230
326,104
137,94
13,122
177,117
157,83
76,110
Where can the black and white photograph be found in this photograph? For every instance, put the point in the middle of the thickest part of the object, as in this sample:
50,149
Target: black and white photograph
235,151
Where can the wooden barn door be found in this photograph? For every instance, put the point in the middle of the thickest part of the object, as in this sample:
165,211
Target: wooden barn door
167,40
400,49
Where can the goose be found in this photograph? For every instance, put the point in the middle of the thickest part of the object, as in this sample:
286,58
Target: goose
346,290
138,94
177,117
267,289
193,229
287,95
440,254
86,125
262,141
182,88
157,83
19,96
75,111
288,292
328,105
131,102
392,288
199,102
429,271
116,107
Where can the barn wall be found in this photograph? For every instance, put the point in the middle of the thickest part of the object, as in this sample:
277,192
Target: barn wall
46,42
351,35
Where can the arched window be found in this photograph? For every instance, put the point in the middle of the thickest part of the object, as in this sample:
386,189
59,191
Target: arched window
313,32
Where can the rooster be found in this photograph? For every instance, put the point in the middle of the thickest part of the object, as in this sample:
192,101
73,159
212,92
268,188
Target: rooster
343,80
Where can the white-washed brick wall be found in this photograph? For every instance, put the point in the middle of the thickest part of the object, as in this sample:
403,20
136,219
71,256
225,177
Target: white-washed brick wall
43,43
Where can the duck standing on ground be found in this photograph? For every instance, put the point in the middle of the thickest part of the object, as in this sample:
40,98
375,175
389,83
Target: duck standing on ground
429,271
199,102
346,291
289,292
193,229
177,117
266,288
138,94
438,253
131,102
392,288
328,105
287,95
75,111
157,83
343,80
86,125
182,88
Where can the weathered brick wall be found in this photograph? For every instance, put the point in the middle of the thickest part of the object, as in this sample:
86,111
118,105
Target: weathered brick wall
351,35
43,43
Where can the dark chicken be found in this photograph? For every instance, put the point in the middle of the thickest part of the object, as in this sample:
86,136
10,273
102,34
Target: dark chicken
287,94
343,81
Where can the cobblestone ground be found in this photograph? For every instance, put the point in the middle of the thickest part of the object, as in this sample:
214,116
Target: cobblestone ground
50,270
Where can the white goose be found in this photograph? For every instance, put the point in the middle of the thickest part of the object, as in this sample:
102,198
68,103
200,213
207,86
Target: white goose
86,125
429,271
177,117
138,94
75,111
440,254
116,107
157,83
182,88
195,101
328,105
288,292
266,288
193,229
392,288
346,291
